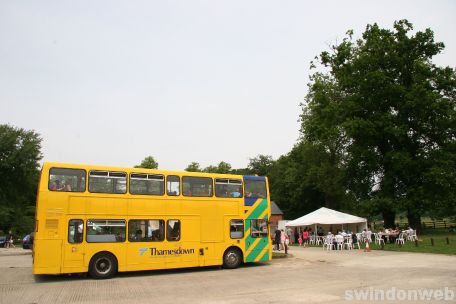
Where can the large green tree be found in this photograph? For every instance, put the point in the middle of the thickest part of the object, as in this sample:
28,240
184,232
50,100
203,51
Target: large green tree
260,165
193,167
20,153
387,114
148,163
222,167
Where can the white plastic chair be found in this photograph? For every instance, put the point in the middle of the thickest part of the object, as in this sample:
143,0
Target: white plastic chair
359,237
412,236
379,239
348,243
312,240
354,244
328,243
400,239
340,243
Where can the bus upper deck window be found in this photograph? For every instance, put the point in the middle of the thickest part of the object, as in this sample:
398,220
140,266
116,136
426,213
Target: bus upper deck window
255,188
107,182
67,180
173,185
225,187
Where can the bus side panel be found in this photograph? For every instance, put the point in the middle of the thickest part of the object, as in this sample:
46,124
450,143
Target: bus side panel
76,204
147,205
47,257
191,243
102,205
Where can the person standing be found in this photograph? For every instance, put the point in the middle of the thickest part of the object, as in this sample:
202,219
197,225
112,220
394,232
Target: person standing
277,239
305,237
9,240
282,239
296,235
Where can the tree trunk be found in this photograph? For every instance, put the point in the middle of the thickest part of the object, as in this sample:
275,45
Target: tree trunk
389,218
414,219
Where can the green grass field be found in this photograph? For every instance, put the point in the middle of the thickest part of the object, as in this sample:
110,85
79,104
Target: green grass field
424,244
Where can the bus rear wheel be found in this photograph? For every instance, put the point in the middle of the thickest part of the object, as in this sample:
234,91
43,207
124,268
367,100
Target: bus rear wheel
103,265
232,258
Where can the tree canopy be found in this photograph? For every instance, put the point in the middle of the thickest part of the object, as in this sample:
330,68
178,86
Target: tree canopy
20,153
385,116
193,167
148,163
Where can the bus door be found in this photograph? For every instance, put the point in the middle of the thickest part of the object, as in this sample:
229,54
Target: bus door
256,204
174,249
73,247
257,240
192,251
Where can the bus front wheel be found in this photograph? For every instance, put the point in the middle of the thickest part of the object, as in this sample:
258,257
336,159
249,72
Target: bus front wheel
103,265
232,258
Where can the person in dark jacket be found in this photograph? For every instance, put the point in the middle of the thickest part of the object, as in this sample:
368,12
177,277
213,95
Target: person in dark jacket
277,238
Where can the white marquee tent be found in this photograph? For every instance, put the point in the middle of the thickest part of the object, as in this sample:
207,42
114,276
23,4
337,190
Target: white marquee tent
325,216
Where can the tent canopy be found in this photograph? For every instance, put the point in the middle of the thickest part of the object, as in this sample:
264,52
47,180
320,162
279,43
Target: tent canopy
325,216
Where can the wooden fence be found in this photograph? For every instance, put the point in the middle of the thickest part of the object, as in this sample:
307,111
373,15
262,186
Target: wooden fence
442,224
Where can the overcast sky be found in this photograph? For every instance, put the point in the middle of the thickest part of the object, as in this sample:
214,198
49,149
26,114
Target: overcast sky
110,82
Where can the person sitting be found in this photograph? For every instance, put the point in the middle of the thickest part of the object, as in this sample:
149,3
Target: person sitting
369,235
354,238
56,186
364,235
67,186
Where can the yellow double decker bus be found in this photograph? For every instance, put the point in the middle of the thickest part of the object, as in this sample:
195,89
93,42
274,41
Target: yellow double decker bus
102,220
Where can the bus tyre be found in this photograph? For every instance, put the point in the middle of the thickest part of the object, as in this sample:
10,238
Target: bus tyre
232,258
103,265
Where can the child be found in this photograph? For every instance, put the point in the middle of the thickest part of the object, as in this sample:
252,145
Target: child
300,241
305,237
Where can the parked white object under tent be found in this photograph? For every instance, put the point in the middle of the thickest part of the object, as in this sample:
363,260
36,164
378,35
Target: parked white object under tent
329,220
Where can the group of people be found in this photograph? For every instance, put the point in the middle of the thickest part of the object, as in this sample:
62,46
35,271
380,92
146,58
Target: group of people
61,186
281,240
391,234
304,237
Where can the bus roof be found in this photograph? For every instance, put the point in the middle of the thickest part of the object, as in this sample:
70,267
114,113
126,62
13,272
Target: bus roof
47,165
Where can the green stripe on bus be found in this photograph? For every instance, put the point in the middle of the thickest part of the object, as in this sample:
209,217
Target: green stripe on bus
256,251
265,257
258,210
